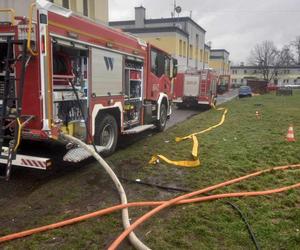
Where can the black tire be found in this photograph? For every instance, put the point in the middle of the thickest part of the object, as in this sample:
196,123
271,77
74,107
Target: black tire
106,134
180,105
161,123
205,107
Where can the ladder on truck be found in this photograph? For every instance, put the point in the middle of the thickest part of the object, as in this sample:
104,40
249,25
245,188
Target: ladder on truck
203,84
11,95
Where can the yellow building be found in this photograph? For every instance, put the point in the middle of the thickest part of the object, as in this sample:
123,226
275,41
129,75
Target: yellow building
219,61
171,40
281,76
95,9
182,37
206,56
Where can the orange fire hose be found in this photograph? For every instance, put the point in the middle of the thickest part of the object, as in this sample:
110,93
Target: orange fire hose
159,204
171,202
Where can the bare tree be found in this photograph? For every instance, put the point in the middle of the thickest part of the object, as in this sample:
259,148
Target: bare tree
269,59
286,57
296,45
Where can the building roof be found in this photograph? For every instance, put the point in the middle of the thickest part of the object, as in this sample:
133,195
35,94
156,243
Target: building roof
159,20
220,50
180,19
156,30
216,57
140,7
118,23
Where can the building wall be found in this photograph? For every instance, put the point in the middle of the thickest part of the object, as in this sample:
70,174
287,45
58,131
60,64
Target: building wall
217,65
220,66
188,53
206,57
187,49
165,41
285,76
97,9
101,10
171,42
20,6
219,61
195,42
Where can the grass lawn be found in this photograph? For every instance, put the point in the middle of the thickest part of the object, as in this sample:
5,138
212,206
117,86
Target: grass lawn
242,145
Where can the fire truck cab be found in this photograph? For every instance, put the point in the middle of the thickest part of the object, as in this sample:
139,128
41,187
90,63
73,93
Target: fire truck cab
65,73
195,88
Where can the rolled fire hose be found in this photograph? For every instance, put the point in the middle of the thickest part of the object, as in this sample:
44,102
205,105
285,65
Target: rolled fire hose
125,215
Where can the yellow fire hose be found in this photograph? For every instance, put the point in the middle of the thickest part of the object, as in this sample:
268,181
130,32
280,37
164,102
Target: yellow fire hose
195,152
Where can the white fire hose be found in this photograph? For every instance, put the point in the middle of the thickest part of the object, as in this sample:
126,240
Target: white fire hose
125,216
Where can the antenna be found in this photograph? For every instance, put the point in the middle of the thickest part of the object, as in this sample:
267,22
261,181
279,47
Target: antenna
177,9
173,9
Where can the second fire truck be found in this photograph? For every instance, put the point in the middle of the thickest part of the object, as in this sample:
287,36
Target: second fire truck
195,88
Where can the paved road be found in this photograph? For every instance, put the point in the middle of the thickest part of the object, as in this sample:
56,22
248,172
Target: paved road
227,96
180,115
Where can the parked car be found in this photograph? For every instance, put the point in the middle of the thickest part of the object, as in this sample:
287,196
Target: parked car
245,91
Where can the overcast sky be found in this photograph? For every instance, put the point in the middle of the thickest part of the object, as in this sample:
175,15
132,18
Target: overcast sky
235,25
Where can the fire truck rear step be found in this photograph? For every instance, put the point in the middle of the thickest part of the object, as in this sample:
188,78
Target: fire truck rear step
79,154
138,129
28,161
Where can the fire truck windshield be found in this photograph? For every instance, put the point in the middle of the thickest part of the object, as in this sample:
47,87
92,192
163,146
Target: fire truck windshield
160,63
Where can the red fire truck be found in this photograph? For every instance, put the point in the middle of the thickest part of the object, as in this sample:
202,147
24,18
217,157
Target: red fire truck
64,72
224,84
196,88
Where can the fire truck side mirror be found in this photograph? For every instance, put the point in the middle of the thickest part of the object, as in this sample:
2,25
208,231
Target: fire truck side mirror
175,67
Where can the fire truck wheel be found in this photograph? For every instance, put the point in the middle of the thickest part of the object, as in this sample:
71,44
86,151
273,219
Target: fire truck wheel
180,105
161,123
107,134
